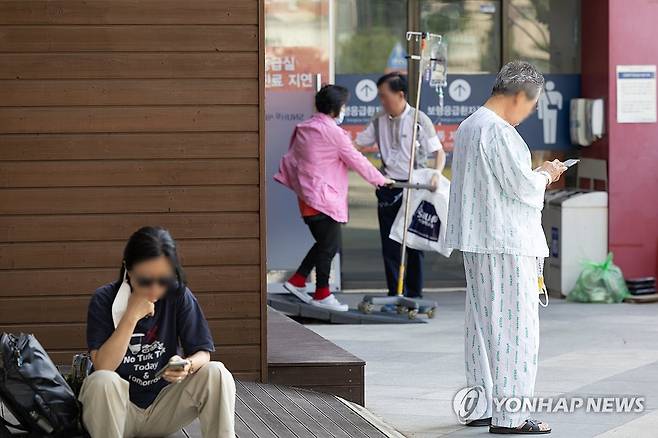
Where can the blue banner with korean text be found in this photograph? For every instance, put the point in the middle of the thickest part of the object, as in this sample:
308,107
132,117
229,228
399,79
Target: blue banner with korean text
546,129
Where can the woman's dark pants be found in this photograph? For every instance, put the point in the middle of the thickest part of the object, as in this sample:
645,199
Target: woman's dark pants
326,233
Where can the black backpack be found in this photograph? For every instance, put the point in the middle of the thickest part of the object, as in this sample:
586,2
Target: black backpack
34,391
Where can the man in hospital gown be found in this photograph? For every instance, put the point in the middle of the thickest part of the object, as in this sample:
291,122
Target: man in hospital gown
494,218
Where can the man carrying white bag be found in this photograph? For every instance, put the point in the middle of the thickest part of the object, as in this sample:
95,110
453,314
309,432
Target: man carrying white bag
428,213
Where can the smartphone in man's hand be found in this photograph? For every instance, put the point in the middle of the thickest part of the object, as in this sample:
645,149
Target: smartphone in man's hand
174,365
570,162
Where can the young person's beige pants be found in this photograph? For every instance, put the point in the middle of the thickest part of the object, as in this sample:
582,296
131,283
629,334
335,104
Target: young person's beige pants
209,395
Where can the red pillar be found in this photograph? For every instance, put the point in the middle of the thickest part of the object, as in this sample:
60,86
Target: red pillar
623,32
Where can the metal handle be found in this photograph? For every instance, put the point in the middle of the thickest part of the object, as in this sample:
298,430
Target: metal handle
414,186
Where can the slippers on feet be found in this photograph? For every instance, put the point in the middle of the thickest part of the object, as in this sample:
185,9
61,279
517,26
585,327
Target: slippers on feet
530,427
479,422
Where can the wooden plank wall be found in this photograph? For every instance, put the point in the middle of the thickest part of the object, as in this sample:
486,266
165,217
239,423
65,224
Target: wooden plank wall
120,113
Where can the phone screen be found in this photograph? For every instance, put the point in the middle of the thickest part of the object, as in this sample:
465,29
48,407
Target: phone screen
570,162
177,366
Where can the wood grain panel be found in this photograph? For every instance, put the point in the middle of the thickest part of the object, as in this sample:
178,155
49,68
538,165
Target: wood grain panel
129,119
246,376
15,92
73,336
244,358
230,305
129,146
129,12
61,282
128,65
262,189
235,331
119,113
119,227
309,374
239,357
40,310
108,173
130,38
128,200
198,252
235,357
225,278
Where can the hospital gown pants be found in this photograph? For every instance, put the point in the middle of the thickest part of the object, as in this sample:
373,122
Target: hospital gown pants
502,329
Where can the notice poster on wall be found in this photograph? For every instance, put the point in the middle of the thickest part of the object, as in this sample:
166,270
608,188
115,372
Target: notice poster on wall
636,94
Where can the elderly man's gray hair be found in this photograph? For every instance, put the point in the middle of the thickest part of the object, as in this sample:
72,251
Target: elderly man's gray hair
516,76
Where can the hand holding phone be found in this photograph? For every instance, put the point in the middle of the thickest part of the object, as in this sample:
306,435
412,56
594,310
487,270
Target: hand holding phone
553,168
570,162
175,364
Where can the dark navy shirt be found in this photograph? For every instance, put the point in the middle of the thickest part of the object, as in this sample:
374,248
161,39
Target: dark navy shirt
178,321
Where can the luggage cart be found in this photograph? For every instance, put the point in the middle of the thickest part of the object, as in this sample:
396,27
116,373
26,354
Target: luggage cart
432,61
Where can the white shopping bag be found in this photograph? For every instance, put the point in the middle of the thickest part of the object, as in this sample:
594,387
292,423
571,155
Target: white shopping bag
428,214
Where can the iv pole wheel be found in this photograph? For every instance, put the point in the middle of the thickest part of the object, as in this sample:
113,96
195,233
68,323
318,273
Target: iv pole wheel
365,307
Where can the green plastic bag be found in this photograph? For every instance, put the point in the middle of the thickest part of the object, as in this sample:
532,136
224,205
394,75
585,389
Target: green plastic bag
600,283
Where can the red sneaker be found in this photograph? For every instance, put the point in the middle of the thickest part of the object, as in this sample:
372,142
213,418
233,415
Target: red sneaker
296,285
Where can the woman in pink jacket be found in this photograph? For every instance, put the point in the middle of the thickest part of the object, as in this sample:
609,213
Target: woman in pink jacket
315,168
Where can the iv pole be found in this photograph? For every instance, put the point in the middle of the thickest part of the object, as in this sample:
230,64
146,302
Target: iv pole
412,160
411,305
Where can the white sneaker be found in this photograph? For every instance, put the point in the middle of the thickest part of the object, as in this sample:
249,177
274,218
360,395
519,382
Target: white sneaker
299,292
330,303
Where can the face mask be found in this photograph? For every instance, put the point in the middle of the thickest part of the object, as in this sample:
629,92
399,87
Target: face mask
340,117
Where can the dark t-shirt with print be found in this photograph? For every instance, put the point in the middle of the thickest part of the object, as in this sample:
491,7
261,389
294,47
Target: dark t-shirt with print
178,321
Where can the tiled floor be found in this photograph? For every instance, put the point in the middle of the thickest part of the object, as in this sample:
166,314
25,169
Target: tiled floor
413,371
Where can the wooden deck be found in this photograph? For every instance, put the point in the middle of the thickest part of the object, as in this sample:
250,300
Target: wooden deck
299,357
274,411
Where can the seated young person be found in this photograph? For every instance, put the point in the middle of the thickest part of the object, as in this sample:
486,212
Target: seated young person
135,327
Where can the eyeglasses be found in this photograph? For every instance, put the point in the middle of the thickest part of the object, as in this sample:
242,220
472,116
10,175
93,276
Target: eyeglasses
162,281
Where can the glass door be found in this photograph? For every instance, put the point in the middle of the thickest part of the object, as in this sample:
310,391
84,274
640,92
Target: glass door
298,58
370,41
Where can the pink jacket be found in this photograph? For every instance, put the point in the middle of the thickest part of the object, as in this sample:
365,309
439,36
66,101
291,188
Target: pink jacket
316,164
